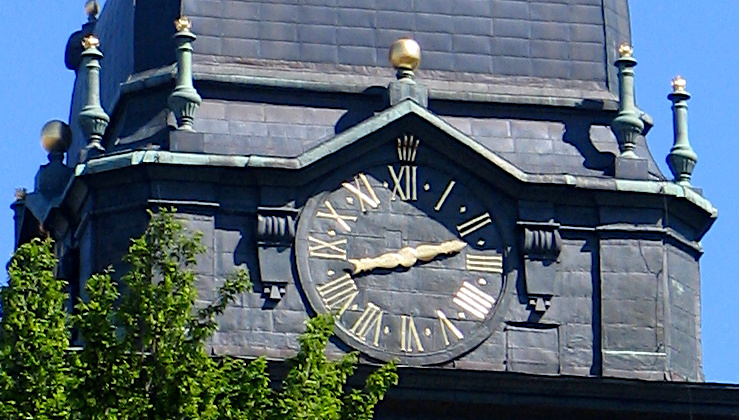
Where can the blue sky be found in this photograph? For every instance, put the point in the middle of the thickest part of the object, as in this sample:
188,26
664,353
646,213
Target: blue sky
694,39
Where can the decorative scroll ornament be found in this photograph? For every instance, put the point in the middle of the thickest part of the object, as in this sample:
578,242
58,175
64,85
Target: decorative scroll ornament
275,230
275,235
542,245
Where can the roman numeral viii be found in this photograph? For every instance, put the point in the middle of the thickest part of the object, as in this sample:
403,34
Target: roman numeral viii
338,294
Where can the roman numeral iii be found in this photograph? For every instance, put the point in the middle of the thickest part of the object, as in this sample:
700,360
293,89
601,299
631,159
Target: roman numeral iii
488,263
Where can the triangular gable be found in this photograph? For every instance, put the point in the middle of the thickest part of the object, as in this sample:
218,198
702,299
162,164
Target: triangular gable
392,115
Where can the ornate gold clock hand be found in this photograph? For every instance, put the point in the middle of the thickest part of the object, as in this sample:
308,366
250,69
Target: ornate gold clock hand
407,257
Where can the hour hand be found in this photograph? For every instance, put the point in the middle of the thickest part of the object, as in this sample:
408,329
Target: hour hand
406,257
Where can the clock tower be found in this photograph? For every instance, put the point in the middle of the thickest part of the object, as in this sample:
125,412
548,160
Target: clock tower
483,209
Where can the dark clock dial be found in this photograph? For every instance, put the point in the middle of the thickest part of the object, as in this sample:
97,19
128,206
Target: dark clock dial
408,259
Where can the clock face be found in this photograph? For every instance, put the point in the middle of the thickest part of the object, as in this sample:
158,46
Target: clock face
406,256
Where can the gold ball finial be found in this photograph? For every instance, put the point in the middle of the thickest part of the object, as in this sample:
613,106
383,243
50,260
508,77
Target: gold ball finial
679,84
625,50
92,9
56,137
405,54
90,41
182,23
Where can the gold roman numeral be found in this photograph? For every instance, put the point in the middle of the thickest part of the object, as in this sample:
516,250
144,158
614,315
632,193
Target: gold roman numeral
447,325
338,293
407,148
333,214
473,300
331,250
488,263
404,183
409,335
370,320
474,224
369,198
445,195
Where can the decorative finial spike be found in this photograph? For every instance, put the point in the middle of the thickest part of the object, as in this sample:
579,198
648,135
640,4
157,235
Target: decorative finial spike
90,41
92,9
625,50
182,23
679,84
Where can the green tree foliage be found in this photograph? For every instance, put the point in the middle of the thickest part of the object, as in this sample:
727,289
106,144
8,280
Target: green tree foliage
34,371
144,348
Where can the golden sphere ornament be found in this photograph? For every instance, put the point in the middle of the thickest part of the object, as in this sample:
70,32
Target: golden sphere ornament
405,54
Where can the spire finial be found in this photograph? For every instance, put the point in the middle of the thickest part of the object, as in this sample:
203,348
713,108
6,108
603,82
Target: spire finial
184,100
90,41
92,119
627,125
682,157
182,23
625,50
679,84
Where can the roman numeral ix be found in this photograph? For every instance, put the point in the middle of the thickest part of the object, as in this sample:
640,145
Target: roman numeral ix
338,294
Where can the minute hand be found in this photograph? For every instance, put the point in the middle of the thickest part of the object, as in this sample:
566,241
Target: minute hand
407,257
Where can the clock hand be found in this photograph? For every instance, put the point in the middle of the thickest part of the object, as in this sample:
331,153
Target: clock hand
429,252
407,257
